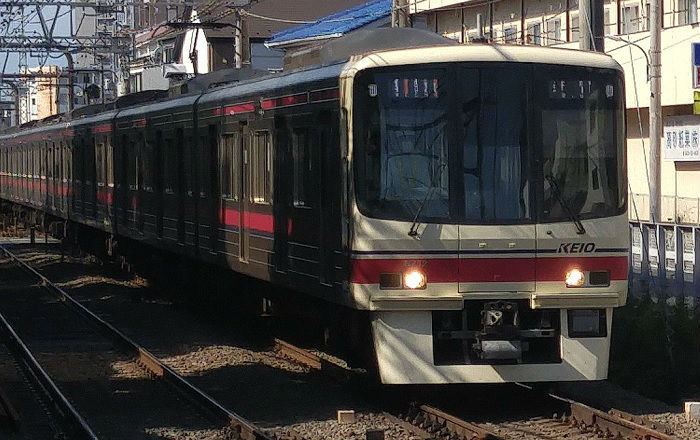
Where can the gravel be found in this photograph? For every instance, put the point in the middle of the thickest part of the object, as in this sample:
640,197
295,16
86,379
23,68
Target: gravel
331,429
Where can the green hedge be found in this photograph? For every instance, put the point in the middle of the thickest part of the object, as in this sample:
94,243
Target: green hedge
656,349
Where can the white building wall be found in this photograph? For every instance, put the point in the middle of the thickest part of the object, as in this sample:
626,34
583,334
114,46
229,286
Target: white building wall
195,41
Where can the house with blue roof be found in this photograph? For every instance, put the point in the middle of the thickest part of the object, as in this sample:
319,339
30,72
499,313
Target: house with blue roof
301,43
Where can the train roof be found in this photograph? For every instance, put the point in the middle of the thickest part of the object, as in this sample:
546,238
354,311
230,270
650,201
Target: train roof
434,52
481,53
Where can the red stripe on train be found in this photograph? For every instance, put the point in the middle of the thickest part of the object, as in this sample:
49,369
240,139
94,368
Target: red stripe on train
488,270
252,220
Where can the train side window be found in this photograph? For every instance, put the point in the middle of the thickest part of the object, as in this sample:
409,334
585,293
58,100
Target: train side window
99,159
169,165
110,163
56,162
261,168
131,159
147,165
189,166
304,149
229,167
203,162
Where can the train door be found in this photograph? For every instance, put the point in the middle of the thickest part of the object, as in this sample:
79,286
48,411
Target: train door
259,213
140,187
159,166
180,184
230,182
56,183
244,196
329,214
99,177
207,215
491,162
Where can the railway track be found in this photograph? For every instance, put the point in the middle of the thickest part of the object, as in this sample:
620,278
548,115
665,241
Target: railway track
566,418
72,355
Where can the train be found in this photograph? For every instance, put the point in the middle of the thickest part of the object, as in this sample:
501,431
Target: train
470,200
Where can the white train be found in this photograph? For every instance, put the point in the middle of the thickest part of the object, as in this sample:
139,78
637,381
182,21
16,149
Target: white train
471,200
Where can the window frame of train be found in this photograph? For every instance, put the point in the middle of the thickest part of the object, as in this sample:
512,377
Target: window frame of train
304,173
230,166
261,167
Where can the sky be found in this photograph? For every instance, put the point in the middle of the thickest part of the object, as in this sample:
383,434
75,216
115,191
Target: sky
33,27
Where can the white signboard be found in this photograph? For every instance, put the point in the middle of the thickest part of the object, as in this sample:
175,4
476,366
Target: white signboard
682,138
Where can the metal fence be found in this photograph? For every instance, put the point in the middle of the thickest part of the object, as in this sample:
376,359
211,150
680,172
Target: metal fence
666,256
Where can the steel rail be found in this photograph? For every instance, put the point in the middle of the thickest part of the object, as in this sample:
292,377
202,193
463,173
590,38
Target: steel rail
8,413
443,424
243,428
611,424
313,361
46,384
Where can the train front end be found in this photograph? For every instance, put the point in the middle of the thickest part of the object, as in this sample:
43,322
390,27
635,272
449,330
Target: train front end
488,213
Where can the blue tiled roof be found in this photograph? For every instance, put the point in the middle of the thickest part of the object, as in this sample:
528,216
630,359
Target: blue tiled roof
336,24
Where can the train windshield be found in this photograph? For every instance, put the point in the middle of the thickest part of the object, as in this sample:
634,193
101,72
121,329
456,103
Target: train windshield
483,143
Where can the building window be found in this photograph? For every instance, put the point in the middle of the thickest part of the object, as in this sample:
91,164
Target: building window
168,54
574,27
608,26
692,11
647,14
534,33
554,31
303,151
510,34
261,168
630,19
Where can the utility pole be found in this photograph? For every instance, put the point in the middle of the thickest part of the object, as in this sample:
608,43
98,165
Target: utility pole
399,13
591,24
238,38
655,116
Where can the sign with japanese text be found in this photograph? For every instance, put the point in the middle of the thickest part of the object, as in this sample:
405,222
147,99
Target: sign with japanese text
682,138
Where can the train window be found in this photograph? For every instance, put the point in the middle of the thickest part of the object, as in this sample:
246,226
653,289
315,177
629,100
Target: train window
147,165
304,149
229,160
110,163
99,158
56,162
169,165
189,167
261,168
131,159
495,165
203,162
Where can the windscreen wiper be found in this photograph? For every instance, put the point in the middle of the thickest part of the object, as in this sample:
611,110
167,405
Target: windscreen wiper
413,231
565,205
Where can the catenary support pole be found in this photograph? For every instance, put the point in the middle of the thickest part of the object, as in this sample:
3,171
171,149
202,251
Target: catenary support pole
655,117
591,25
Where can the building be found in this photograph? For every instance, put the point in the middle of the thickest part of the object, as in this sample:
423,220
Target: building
302,43
44,95
99,70
7,114
203,40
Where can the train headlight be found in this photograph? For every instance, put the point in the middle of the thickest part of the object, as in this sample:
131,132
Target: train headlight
414,279
575,278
